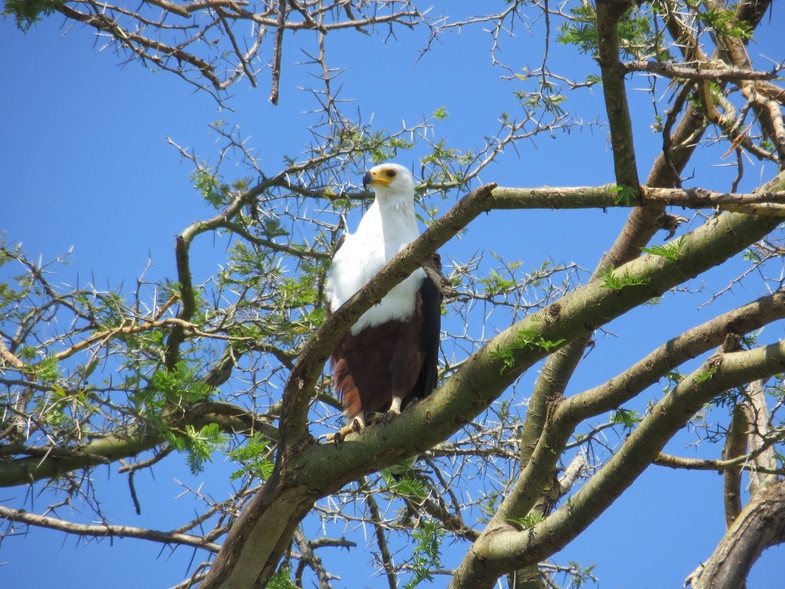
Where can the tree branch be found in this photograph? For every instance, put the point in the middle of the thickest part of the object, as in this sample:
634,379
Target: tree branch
690,344
468,392
701,70
761,438
735,446
761,524
608,14
106,530
475,567
506,548
609,196
126,442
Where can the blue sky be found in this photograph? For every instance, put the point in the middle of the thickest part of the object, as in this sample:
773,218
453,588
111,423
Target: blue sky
86,168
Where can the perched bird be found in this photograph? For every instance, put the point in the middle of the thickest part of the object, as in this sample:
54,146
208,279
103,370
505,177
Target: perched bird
389,357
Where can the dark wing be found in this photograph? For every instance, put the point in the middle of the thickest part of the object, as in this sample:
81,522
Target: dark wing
430,333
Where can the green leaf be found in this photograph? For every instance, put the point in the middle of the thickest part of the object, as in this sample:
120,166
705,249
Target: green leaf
199,445
625,417
624,194
752,255
28,12
440,113
210,187
707,374
46,370
526,338
638,37
725,22
180,385
426,555
282,579
528,521
580,30
495,284
669,251
618,281
400,483
253,457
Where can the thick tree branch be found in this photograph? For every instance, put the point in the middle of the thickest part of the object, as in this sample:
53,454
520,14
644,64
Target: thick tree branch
700,70
251,551
56,419
760,525
478,201
523,497
49,463
608,14
486,374
735,446
506,548
690,344
640,227
609,196
312,470
760,437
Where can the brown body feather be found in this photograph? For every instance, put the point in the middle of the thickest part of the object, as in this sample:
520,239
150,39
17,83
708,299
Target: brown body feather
378,363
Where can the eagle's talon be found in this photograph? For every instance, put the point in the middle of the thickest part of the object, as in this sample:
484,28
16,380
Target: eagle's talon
390,415
353,427
374,417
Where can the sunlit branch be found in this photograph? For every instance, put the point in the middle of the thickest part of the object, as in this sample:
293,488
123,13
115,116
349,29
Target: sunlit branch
700,70
760,525
763,203
761,432
558,428
243,331
671,354
609,12
505,549
125,442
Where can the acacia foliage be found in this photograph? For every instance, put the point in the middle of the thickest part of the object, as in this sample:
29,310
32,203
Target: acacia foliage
177,370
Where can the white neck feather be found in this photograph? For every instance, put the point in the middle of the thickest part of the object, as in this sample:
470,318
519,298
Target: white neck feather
387,226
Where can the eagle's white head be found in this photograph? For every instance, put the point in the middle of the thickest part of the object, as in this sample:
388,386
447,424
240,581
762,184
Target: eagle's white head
390,182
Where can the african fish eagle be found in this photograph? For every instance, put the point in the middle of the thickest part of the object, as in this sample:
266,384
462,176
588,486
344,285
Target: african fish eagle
388,358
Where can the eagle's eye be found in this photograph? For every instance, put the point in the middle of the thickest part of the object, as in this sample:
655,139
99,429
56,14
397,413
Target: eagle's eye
390,173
